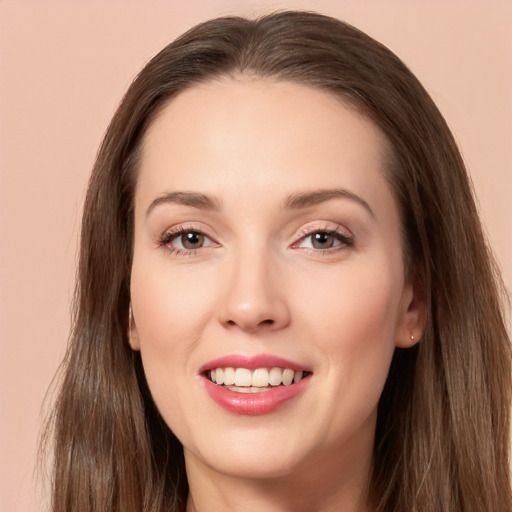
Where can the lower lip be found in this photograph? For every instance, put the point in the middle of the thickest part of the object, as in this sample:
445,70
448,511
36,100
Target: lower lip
252,404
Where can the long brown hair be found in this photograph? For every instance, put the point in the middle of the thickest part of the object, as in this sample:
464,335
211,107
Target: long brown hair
442,439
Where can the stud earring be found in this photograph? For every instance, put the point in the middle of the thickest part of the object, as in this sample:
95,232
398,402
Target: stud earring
412,336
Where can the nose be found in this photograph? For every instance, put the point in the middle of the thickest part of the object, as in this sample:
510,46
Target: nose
255,296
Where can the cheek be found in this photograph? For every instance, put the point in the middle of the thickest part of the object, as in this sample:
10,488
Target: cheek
170,311
355,327
361,301
169,307
353,319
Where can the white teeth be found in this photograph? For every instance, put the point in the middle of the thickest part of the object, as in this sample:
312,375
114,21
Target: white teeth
243,377
287,376
255,380
219,376
229,376
260,378
275,377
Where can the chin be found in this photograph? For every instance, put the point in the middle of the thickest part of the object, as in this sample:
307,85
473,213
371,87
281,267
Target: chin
254,466
254,457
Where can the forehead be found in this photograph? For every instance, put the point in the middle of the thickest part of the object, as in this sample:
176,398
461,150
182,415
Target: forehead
252,134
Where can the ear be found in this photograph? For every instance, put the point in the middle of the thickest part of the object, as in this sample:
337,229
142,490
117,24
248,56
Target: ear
413,313
133,334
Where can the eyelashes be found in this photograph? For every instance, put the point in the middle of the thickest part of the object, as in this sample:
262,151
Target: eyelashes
190,241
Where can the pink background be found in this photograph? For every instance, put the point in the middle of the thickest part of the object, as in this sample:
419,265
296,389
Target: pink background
63,68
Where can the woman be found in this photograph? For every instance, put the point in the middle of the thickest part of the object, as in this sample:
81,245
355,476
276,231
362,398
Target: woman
285,299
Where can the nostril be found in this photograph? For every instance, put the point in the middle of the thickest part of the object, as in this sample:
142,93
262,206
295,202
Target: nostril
267,322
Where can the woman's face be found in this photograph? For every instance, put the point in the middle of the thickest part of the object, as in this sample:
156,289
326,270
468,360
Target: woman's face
267,247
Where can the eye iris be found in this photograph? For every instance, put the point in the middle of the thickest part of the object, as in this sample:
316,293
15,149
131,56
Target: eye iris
322,240
192,240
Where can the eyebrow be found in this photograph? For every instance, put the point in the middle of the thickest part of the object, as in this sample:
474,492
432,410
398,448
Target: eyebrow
193,199
315,197
293,202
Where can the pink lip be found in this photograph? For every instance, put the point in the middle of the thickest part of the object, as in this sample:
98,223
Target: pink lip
251,362
252,404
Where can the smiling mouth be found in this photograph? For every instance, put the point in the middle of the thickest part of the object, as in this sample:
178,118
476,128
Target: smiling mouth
244,380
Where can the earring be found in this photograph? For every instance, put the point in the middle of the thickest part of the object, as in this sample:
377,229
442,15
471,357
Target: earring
412,336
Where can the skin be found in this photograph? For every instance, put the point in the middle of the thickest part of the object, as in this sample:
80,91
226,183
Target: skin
257,284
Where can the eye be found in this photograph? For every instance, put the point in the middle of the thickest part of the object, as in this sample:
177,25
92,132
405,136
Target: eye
185,240
324,240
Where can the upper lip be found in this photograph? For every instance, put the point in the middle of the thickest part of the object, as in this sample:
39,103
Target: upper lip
252,362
